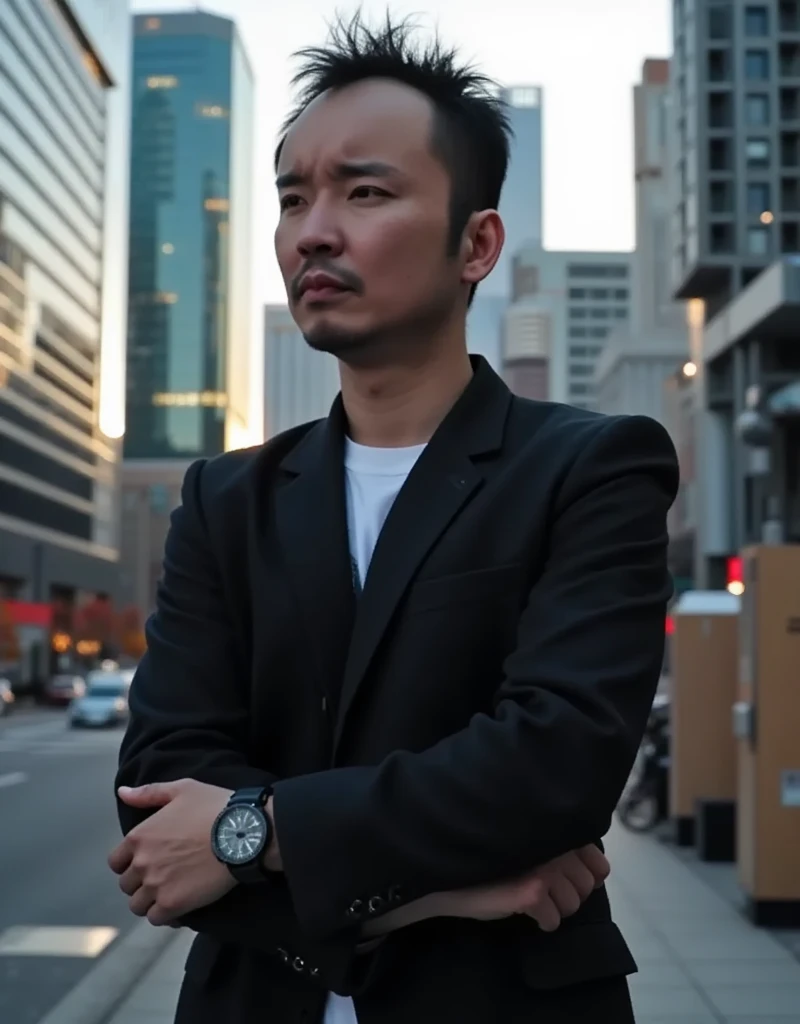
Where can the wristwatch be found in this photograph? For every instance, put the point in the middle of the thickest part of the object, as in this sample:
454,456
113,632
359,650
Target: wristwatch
241,833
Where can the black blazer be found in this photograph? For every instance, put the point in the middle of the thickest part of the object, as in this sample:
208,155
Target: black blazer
474,713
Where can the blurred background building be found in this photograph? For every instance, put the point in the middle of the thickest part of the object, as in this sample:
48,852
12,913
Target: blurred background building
736,212
299,383
64,101
190,300
641,353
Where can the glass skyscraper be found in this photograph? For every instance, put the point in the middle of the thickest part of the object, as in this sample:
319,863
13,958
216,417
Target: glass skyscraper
189,301
521,201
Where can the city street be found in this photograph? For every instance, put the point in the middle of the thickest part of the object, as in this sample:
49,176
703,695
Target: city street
60,907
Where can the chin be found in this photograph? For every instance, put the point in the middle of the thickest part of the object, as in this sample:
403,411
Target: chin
336,339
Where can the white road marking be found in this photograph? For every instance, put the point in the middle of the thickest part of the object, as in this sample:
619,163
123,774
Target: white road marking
12,779
24,940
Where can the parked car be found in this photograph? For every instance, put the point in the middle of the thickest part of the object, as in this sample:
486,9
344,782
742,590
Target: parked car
6,697
105,702
63,689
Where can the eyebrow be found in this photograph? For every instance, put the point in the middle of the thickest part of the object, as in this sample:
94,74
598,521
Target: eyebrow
342,172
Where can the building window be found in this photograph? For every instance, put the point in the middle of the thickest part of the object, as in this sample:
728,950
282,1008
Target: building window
790,237
577,350
757,109
577,332
790,104
721,196
577,293
758,241
719,65
720,155
757,198
720,109
756,65
598,293
581,370
620,313
579,389
720,22
599,314
598,332
757,152
621,293
722,239
756,21
576,313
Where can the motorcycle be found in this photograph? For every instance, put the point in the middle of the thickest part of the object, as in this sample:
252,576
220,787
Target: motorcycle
645,802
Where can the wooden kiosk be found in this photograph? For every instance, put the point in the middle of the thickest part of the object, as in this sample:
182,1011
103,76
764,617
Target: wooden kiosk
767,728
702,781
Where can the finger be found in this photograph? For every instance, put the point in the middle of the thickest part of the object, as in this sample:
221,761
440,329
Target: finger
546,914
565,896
155,794
580,876
130,881
160,918
119,859
596,862
141,901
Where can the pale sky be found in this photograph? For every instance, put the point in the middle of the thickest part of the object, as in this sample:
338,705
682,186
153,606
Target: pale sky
586,54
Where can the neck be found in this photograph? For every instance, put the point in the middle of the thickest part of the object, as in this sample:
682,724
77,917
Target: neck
401,405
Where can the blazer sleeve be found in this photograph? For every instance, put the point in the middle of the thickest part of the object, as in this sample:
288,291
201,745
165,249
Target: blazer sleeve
188,719
543,773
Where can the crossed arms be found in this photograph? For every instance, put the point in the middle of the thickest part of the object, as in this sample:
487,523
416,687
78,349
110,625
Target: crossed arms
536,779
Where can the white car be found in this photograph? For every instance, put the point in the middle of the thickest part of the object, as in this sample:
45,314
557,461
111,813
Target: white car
104,703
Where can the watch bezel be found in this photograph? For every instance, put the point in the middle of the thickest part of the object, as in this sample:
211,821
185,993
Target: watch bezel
259,811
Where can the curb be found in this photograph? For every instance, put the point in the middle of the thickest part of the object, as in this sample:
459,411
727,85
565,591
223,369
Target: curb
100,992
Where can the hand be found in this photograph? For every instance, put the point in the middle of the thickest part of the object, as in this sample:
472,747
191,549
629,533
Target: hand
166,864
549,894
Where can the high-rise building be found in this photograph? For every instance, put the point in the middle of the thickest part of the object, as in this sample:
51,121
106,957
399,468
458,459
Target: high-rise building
736,212
189,333
644,351
64,99
564,305
299,383
521,200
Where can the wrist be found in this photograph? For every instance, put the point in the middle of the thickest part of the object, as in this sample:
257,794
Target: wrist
272,854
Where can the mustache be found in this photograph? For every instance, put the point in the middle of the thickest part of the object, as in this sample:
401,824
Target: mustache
346,278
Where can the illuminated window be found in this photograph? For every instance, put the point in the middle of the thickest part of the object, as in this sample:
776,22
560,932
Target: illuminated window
216,205
162,82
152,24
211,110
207,399
165,298
168,248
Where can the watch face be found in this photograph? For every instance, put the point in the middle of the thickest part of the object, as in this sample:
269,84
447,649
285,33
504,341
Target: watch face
240,835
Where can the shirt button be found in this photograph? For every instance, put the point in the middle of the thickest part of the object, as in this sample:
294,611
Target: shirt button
376,904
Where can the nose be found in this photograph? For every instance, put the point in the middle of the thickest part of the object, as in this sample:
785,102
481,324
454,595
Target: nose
320,235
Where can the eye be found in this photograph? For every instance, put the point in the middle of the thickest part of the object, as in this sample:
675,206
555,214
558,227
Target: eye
287,202
368,192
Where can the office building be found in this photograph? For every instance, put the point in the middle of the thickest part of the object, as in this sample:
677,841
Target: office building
485,327
299,383
64,98
736,212
642,353
189,332
564,305
521,200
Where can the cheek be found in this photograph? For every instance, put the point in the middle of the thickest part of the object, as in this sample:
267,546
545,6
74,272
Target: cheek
402,254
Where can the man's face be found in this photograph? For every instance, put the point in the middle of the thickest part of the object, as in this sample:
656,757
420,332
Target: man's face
362,236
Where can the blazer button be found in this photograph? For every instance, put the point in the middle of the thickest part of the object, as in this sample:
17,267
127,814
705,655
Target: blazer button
314,972
376,904
299,964
356,910
283,955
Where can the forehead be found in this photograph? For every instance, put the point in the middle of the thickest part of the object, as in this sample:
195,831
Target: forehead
375,119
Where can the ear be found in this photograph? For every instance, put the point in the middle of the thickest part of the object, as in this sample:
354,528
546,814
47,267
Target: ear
483,241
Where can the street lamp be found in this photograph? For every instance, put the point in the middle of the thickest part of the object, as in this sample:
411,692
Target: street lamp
689,369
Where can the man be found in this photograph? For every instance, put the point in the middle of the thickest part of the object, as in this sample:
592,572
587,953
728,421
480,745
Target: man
402,657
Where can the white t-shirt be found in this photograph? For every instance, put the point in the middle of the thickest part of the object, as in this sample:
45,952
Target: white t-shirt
373,478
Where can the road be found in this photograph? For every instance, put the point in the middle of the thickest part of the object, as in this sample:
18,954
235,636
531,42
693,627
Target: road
57,826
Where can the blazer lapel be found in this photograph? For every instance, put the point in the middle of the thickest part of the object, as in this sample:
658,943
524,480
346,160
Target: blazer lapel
311,521
442,482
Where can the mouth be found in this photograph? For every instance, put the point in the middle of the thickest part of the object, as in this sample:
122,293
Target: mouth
322,288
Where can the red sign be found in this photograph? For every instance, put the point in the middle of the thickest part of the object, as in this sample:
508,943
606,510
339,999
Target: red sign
29,613
735,571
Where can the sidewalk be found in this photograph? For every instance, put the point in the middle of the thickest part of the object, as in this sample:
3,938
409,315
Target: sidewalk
700,962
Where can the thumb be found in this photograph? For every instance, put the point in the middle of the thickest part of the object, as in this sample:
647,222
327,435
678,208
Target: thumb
155,794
